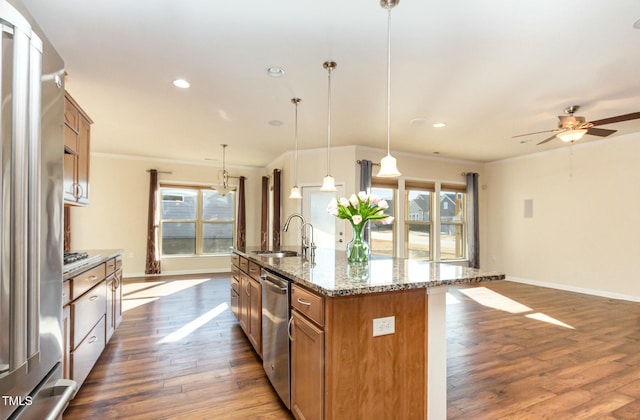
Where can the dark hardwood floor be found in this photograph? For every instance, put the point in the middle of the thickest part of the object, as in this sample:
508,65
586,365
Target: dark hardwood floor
515,352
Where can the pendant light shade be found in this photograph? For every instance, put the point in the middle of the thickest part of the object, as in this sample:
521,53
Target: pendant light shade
328,183
388,164
295,191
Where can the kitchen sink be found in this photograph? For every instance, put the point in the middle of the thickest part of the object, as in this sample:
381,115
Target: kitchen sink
276,254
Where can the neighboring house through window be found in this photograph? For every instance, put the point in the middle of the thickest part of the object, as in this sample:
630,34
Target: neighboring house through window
196,220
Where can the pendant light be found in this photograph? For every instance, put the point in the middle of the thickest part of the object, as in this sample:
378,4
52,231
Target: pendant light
388,165
328,183
295,191
224,188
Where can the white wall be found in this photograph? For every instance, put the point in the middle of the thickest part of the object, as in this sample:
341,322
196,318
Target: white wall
117,214
585,230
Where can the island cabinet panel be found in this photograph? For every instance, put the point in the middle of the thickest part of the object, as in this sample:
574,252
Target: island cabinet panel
339,370
307,369
255,315
382,376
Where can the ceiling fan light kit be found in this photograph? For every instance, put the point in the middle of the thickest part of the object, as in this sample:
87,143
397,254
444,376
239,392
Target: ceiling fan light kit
388,164
571,135
572,128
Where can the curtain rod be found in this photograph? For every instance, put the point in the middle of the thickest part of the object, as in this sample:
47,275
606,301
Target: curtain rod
161,172
372,163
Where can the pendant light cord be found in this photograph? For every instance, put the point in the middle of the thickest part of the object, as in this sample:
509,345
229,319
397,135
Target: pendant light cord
295,178
389,82
329,69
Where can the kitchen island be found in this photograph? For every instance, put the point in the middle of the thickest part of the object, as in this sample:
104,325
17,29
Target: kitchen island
368,341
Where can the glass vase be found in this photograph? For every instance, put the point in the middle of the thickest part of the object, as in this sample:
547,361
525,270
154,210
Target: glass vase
358,249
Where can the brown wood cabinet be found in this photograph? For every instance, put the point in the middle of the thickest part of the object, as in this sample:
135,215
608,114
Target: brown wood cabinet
307,368
114,295
336,368
77,139
246,298
92,310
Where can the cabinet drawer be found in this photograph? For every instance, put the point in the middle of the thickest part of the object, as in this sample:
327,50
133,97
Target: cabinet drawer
85,281
87,311
235,284
235,260
66,292
254,270
244,264
85,355
308,304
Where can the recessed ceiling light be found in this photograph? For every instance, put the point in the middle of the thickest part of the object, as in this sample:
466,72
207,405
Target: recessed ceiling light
637,24
436,153
439,125
181,83
417,121
275,71
275,123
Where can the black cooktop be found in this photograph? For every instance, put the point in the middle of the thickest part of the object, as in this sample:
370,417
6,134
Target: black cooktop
71,257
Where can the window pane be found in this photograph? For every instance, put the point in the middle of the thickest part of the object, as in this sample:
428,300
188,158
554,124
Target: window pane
418,241
217,238
419,206
382,236
178,238
451,207
452,225
217,207
179,204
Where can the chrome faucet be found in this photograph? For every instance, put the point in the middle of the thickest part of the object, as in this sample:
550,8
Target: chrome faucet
302,230
311,246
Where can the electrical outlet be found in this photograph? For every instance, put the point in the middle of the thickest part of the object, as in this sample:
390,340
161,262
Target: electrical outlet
384,326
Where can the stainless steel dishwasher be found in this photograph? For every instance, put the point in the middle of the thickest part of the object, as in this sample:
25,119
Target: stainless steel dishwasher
276,304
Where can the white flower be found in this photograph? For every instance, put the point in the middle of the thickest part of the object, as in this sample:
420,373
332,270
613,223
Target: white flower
344,202
387,220
333,211
356,219
362,196
383,204
374,199
353,200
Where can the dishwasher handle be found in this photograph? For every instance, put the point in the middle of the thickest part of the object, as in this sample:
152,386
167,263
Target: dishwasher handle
274,284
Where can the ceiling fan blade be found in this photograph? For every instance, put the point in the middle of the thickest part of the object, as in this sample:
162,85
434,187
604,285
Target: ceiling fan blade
619,118
530,134
600,132
546,140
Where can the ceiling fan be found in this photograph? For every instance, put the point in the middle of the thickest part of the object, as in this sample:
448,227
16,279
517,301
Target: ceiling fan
572,128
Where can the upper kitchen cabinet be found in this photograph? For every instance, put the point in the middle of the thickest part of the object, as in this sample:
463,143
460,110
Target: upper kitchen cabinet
77,138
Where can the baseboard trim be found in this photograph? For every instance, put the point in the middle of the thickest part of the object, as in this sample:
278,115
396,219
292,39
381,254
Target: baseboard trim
179,273
565,287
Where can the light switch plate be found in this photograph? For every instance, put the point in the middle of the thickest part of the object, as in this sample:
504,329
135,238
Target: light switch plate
384,326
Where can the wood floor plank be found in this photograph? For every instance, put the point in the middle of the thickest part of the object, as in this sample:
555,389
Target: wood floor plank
566,356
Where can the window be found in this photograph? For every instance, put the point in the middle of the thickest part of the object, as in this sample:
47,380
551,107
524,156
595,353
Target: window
418,220
196,221
452,222
382,238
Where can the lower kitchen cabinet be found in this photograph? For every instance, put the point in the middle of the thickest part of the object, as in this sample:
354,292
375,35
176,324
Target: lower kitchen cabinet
92,310
246,298
307,368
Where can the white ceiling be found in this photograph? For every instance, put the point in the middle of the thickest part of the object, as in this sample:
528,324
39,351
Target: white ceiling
490,69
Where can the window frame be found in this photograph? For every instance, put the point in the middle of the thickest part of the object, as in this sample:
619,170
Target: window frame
419,186
392,184
461,224
198,221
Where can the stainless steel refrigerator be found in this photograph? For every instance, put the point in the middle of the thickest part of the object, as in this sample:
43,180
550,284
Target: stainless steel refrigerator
31,159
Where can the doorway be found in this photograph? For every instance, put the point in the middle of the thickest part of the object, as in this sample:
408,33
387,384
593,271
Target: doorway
328,230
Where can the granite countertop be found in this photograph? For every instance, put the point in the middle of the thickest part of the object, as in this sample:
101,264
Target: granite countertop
332,275
95,258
